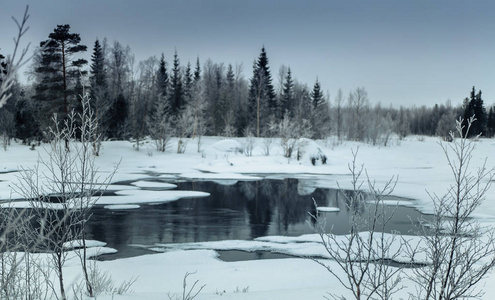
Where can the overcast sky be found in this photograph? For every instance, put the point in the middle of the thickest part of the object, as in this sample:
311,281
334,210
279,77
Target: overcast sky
417,52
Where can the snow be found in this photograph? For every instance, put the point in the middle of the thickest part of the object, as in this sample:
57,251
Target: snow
419,164
79,243
328,209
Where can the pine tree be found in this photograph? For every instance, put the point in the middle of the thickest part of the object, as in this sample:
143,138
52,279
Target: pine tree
176,94
57,70
261,92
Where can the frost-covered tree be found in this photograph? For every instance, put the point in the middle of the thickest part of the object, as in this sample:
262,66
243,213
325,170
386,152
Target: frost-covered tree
119,69
228,103
159,120
339,113
358,109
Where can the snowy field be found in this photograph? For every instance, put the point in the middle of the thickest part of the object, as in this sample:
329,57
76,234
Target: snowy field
419,163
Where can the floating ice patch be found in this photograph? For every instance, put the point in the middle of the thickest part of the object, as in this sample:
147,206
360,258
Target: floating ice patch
328,209
394,202
122,207
120,187
153,184
143,196
71,205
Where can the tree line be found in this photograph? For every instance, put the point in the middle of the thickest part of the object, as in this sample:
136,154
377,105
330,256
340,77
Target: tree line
160,99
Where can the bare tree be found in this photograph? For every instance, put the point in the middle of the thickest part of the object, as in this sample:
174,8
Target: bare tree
62,188
358,109
458,250
15,61
364,253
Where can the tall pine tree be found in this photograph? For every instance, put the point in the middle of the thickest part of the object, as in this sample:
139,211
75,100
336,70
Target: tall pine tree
57,71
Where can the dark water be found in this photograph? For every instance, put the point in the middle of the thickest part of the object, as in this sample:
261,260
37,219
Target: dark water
245,210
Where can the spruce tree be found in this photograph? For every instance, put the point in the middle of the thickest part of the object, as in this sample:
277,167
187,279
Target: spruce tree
261,92
317,97
474,107
176,94
197,72
99,98
162,78
188,83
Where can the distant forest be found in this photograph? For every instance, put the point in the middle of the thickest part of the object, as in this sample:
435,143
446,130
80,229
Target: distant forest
161,99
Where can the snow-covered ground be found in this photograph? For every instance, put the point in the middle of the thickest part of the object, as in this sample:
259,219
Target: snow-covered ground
419,163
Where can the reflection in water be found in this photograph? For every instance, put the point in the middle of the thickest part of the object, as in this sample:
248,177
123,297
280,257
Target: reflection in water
245,210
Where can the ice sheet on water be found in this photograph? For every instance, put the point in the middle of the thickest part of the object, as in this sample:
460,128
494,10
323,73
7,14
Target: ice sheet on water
153,184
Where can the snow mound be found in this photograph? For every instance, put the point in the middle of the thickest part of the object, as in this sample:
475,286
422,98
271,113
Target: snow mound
228,145
309,150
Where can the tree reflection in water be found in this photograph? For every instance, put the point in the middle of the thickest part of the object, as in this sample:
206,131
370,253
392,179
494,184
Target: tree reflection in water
245,210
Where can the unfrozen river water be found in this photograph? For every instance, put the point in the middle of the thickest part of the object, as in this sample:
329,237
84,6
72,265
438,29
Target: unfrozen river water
241,211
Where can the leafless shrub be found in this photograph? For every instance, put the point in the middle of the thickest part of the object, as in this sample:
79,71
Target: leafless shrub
364,253
187,293
458,250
